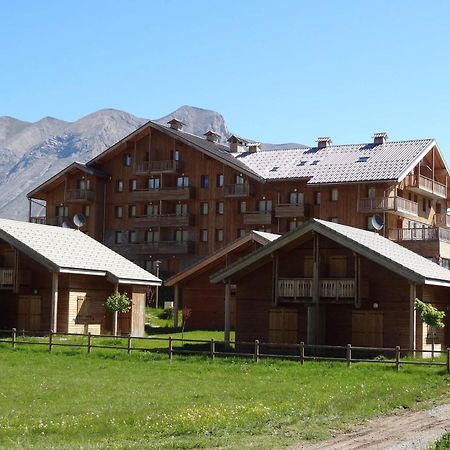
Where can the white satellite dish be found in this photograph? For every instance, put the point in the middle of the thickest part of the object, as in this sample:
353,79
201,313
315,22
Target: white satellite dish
377,222
79,220
65,225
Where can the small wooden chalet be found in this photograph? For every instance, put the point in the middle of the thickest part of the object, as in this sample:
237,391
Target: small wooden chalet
327,283
54,278
205,300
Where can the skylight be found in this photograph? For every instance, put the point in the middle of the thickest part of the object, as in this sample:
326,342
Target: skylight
301,163
314,163
274,169
363,159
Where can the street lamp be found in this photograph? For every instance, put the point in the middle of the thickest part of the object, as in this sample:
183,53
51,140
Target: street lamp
157,264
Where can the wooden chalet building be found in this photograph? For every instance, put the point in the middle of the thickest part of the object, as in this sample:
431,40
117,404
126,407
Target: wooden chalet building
58,279
164,197
327,283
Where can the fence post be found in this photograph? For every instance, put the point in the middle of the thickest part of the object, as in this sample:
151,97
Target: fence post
349,355
13,338
129,344
89,342
397,358
50,341
256,354
212,349
302,353
170,348
448,360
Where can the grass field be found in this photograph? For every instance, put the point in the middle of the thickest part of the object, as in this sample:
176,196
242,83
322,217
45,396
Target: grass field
111,400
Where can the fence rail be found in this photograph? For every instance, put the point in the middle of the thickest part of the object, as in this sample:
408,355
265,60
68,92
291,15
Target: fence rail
212,348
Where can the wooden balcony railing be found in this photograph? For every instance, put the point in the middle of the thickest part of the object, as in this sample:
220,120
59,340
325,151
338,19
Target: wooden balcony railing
38,219
426,184
329,288
166,193
236,190
420,234
290,210
442,220
6,277
159,247
79,195
257,218
58,221
383,204
148,167
163,220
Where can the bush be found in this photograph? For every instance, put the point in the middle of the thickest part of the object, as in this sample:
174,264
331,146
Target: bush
166,314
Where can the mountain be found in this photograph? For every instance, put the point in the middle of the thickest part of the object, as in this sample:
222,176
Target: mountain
30,153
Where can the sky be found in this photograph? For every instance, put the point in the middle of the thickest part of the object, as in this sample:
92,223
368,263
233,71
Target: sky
278,71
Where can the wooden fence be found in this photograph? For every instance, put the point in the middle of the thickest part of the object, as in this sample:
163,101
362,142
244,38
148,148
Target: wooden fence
300,352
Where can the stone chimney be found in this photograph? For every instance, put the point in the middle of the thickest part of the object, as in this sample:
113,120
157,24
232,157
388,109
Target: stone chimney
253,147
237,144
176,124
323,142
380,138
212,136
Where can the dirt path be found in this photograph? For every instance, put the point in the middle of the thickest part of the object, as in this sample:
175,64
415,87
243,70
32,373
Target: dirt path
409,430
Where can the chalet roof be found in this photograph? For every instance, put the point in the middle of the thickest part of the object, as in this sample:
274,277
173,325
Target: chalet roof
65,250
261,237
75,165
369,244
339,163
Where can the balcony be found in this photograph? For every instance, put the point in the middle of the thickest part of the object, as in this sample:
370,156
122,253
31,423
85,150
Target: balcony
7,278
289,210
166,193
329,288
442,220
420,234
152,248
396,204
163,220
79,196
57,221
151,167
236,190
42,220
421,184
258,218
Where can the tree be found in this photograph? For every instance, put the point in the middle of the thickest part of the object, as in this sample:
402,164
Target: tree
432,317
117,303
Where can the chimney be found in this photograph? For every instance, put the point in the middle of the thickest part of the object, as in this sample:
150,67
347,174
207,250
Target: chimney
380,138
212,136
253,147
237,144
176,124
323,142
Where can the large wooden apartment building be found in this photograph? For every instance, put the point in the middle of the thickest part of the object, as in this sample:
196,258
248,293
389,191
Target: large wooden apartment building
161,194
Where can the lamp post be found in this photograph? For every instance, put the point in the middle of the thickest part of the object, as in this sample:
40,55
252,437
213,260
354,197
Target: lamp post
157,264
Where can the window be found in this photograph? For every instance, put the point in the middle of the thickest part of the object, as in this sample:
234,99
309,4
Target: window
204,181
219,180
181,235
317,198
86,210
204,208
119,186
132,185
241,232
118,237
152,236
334,195
219,235
296,198
150,265
119,212
177,155
334,219
153,183
242,207
371,192
314,163
220,207
152,210
362,159
301,163
84,184
132,237
203,235
265,205
127,160
239,179
293,224
62,211
182,182
424,204
132,211
181,209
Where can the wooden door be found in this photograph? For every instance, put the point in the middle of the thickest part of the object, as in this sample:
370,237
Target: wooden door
29,313
283,326
367,328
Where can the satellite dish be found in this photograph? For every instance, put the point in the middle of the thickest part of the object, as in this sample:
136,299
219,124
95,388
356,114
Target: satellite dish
65,225
377,222
79,220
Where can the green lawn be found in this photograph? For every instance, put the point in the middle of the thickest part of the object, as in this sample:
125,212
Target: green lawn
111,400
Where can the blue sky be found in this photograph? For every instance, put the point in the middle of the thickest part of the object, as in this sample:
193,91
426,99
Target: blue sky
279,71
